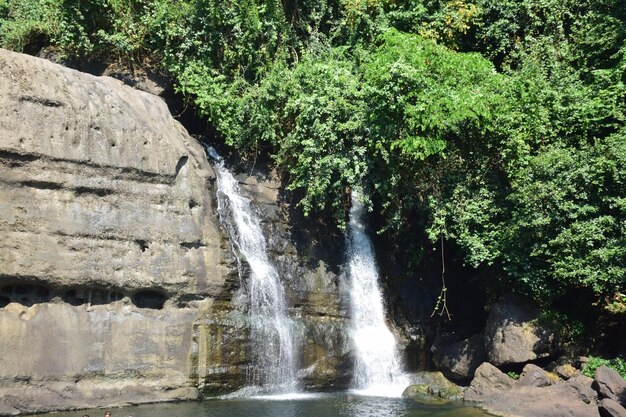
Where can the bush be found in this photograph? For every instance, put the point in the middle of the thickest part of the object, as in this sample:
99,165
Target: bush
24,22
618,364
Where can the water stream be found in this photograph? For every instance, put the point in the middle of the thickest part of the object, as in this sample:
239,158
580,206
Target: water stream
378,371
273,366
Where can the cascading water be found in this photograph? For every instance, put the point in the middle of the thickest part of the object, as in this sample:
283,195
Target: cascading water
377,370
273,368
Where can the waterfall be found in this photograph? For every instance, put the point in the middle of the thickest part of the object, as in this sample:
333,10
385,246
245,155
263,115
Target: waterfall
273,368
377,369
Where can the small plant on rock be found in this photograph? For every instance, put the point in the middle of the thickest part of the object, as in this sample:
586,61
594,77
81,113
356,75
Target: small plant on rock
618,364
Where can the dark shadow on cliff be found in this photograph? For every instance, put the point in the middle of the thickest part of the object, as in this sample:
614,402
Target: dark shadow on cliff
29,292
316,236
26,294
410,267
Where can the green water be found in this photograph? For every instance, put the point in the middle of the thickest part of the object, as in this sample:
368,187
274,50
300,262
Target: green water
335,405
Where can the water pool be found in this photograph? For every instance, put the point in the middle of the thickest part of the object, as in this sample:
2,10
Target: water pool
319,405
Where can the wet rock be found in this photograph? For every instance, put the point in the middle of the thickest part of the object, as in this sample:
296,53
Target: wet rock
438,385
514,335
610,384
423,394
459,360
611,408
488,381
306,258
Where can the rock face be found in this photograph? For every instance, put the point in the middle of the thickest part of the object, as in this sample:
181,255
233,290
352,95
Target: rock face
307,257
109,244
101,189
117,282
513,334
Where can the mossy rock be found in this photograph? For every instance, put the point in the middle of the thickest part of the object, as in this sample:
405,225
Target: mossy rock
422,394
438,385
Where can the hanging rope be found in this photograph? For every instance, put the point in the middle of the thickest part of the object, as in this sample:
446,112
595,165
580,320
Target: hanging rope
441,307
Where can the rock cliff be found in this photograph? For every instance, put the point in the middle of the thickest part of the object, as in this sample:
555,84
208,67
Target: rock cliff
116,279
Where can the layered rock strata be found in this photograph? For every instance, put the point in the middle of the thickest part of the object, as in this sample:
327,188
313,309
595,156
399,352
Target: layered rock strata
117,282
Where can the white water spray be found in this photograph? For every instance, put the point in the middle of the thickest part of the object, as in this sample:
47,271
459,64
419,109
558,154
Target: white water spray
377,370
273,368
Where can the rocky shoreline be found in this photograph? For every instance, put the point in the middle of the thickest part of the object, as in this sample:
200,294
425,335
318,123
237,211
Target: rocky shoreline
537,392
515,337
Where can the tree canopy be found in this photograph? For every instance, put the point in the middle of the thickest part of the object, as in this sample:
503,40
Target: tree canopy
499,126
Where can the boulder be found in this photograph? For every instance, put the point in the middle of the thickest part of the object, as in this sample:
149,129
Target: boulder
423,394
438,385
582,385
459,360
514,335
610,384
566,371
534,376
488,381
611,408
559,400
492,392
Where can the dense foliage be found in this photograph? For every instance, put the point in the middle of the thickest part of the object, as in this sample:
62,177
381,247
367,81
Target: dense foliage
618,364
499,126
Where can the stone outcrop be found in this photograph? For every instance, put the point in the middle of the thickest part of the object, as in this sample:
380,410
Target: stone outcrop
513,335
584,388
109,246
537,393
423,394
117,282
